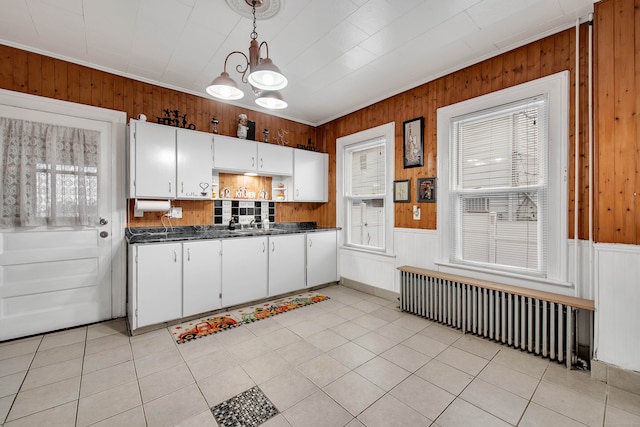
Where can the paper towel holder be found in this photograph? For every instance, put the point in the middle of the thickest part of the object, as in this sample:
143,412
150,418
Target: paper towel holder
139,207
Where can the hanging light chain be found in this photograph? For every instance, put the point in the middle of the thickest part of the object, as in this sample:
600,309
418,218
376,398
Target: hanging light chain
254,34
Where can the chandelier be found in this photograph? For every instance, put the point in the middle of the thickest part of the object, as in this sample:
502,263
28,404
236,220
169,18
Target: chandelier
263,75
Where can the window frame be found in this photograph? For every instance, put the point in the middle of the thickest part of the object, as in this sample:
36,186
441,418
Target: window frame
556,89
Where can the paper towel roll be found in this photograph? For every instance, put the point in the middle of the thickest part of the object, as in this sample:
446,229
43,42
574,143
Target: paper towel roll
152,205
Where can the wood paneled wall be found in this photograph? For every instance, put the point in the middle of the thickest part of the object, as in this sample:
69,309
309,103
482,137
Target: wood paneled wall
36,74
617,129
538,59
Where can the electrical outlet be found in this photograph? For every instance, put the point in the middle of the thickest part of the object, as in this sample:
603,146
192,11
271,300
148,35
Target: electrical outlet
416,212
175,213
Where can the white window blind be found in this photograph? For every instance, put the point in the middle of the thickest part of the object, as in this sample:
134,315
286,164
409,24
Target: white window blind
499,193
365,190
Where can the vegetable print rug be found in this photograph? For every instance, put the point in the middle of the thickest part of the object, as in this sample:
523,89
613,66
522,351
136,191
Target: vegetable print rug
197,328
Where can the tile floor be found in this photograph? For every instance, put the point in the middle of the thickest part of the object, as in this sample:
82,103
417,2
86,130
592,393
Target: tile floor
354,360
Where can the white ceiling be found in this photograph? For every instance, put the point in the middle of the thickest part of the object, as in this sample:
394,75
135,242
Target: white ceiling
339,55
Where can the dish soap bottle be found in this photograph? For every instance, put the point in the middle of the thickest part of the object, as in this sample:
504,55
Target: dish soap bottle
265,224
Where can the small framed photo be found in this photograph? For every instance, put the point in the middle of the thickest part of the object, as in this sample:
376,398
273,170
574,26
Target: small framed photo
402,190
427,189
413,142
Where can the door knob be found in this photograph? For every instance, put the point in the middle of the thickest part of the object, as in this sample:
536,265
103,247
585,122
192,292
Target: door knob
104,234
104,221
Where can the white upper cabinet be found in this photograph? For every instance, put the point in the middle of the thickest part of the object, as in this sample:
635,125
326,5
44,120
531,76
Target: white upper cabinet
169,163
234,154
152,168
310,176
195,161
275,159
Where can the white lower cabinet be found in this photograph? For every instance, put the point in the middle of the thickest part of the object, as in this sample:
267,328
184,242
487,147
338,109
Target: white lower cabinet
201,276
157,283
244,270
322,259
286,263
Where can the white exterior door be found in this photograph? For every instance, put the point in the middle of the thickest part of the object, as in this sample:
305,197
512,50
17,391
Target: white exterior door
58,277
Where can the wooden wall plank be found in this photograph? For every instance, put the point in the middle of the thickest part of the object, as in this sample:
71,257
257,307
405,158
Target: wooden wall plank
636,184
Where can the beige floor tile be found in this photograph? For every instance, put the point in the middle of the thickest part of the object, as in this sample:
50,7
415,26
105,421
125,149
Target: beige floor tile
157,362
478,346
330,320
375,342
287,389
194,349
460,359
10,384
350,330
618,417
53,373
445,376
579,381
412,322
277,421
164,382
210,364
266,367
349,313
234,336
176,407
395,333
382,373
366,306
106,342
326,340
159,344
539,416
370,322
104,359
425,345
280,338
521,361
58,354
621,399
570,403
5,405
509,379
46,397
106,404
495,400
389,411
104,379
225,384
461,413
62,415
332,305
19,348
99,330
306,328
149,335
387,313
263,327
298,352
405,357
444,334
351,355
131,418
248,350
317,410
354,392
323,370
422,396
63,338
203,419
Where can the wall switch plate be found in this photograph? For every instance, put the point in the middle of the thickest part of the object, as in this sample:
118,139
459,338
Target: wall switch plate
416,212
175,213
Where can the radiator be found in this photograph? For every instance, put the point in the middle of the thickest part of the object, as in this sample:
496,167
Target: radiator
534,324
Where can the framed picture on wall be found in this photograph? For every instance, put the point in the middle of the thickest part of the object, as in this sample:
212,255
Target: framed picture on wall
426,189
413,142
402,190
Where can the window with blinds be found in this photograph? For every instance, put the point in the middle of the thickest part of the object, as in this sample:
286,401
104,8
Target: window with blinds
365,190
499,191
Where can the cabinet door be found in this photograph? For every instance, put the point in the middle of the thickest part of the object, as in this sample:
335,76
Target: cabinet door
322,257
155,161
286,263
201,277
275,160
244,270
310,175
234,155
195,162
158,283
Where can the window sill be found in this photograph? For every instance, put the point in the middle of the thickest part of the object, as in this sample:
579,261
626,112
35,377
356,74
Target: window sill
367,251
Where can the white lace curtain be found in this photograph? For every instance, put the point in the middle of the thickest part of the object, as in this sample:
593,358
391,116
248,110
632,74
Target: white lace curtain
49,174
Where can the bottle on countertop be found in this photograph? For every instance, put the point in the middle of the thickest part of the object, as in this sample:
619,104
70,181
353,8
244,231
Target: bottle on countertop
265,224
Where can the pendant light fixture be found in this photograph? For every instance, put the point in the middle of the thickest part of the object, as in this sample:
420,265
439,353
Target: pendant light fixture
263,75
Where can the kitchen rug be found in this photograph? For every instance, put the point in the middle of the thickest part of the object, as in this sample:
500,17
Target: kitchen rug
198,328
248,409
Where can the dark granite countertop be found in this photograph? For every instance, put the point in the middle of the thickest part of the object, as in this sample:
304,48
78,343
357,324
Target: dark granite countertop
202,232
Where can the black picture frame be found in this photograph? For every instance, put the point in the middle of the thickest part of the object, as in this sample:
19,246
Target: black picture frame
402,191
413,142
427,189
